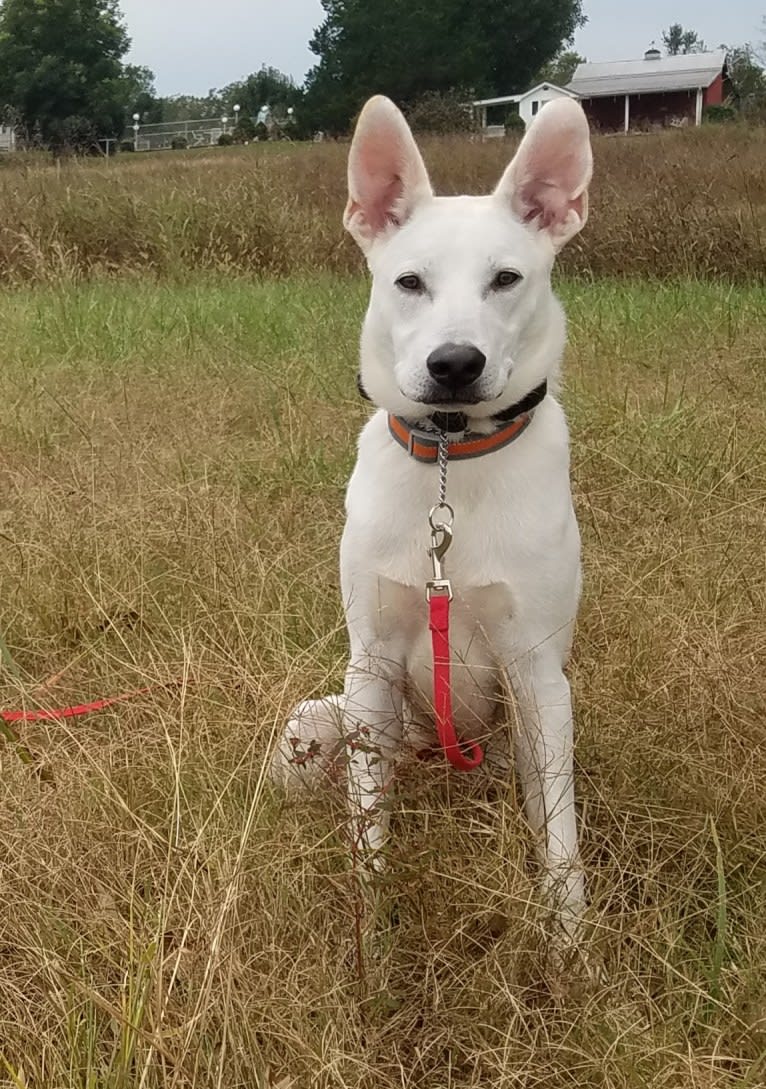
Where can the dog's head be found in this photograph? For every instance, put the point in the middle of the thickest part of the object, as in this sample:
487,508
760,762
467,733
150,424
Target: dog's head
462,316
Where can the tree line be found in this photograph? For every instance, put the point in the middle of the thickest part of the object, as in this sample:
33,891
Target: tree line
64,82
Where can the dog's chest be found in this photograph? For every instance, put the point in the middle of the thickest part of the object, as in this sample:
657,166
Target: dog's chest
475,617
508,507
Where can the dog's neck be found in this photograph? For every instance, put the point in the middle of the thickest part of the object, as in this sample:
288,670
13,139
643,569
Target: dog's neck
458,423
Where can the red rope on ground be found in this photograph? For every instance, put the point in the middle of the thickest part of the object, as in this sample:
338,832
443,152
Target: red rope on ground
78,710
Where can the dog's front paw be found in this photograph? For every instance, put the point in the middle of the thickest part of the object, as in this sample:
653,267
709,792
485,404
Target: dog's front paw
574,962
309,749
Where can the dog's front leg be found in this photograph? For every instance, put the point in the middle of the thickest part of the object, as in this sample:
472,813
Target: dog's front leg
372,715
544,748
373,720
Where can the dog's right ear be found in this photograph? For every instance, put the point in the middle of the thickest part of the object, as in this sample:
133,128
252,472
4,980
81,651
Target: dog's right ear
387,177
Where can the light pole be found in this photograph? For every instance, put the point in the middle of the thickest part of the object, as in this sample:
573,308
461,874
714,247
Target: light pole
224,121
136,120
237,108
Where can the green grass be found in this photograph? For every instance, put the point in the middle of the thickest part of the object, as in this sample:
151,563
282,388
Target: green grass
173,460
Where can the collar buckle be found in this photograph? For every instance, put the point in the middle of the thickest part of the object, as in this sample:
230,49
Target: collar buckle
419,436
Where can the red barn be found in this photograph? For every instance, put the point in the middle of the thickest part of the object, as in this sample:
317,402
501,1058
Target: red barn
621,95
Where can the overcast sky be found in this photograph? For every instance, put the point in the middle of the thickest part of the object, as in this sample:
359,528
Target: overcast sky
193,45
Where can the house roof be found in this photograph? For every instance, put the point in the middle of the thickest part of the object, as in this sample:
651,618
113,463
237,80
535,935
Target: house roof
503,100
686,72
506,99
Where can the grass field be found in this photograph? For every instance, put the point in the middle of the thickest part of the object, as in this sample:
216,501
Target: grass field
173,459
688,203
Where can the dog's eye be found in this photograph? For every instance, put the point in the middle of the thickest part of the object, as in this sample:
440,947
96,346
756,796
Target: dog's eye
410,282
505,278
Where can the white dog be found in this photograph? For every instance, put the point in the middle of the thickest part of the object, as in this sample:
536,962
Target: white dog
463,337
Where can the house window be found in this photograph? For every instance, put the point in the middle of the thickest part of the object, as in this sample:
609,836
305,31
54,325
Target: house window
535,107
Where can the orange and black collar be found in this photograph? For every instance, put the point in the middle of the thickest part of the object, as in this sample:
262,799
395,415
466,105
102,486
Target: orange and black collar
422,443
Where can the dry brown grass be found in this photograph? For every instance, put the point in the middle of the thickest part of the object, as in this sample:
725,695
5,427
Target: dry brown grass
685,203
172,464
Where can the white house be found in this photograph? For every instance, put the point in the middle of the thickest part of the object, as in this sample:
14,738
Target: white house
530,103
7,138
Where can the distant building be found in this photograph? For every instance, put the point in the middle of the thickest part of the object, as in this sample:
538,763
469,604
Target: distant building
7,138
619,96
529,105
623,95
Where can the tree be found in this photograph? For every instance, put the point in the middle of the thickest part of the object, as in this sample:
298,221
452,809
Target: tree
747,78
192,107
560,69
677,40
405,48
61,69
139,94
266,87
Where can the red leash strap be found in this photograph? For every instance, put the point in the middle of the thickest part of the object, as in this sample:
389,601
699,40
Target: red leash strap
73,712
467,755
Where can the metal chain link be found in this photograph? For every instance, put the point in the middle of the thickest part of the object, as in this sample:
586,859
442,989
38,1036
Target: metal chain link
440,518
443,456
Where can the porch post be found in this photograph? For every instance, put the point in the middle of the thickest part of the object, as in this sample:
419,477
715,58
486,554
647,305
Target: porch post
698,112
627,113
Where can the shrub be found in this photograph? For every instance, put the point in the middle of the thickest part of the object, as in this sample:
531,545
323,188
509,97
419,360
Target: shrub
244,131
225,139
719,114
127,145
179,143
441,113
514,122
74,136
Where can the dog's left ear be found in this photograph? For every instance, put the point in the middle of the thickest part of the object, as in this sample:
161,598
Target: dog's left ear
387,177
547,181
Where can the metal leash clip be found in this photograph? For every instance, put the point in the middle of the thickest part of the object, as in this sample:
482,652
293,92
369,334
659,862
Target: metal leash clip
441,539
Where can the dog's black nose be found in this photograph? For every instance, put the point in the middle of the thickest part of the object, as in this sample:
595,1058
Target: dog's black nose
456,365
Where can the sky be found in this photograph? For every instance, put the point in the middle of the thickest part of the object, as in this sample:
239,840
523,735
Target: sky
193,45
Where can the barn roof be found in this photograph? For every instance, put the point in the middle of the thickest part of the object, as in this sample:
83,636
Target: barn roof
686,72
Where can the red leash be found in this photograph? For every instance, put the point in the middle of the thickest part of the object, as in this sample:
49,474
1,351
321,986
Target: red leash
77,711
465,756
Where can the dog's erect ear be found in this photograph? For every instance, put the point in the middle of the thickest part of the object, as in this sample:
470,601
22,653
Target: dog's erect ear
547,180
386,174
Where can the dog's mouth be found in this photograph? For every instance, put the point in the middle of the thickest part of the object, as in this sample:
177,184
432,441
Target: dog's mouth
459,401
449,404
457,398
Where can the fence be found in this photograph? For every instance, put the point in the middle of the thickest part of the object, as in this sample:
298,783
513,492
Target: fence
202,132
